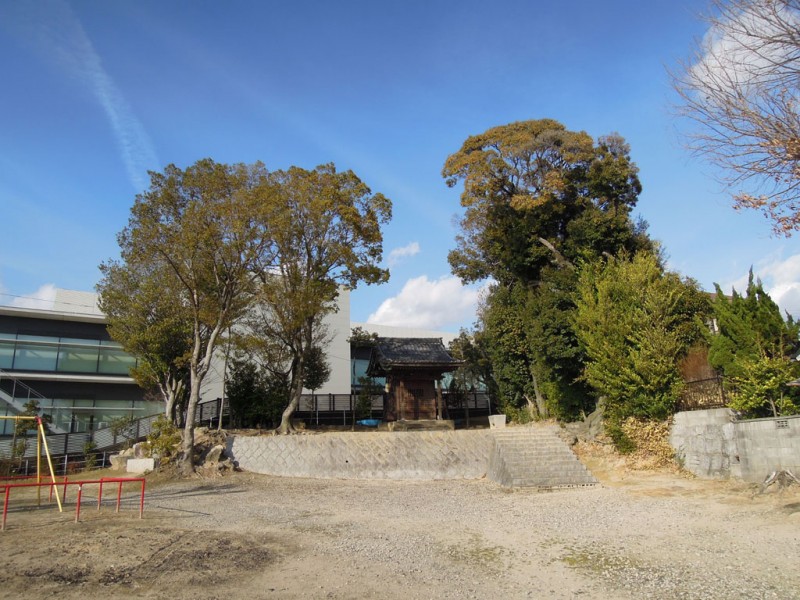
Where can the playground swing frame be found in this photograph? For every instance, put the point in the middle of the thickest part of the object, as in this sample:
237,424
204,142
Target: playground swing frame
41,441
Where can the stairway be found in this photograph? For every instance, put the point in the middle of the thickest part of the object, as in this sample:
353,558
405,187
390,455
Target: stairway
535,457
17,404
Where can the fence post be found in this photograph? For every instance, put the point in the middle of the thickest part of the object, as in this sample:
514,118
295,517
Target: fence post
66,462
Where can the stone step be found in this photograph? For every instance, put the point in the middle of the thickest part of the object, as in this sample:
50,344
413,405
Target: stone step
545,468
536,457
525,443
535,448
547,483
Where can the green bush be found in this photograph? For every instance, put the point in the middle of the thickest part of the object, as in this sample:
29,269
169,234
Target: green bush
164,439
517,415
89,455
620,439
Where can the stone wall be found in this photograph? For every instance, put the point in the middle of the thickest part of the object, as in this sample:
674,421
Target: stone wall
713,444
367,455
767,445
703,439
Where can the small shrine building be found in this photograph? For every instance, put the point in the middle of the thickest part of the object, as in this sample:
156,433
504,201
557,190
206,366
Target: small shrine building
413,368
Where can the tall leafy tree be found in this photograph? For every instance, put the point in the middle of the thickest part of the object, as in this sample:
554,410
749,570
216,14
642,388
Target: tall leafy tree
195,229
477,370
256,396
750,326
326,231
635,323
138,300
754,347
538,198
316,370
536,194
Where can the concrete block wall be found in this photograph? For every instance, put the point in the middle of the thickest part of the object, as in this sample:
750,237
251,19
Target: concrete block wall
713,444
767,445
367,455
703,439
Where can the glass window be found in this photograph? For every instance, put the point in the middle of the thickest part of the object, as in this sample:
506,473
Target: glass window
73,358
359,370
6,353
61,412
82,416
108,410
79,341
36,356
145,409
115,361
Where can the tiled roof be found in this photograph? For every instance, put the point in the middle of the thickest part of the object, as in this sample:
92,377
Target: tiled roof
392,353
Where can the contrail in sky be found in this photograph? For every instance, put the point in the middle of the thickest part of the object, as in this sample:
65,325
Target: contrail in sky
56,32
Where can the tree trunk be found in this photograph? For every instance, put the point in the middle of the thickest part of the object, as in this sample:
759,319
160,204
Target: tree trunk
169,411
560,258
541,406
466,411
187,461
286,426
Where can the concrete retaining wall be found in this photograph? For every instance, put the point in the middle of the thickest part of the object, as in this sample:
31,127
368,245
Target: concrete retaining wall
713,444
705,441
767,445
367,455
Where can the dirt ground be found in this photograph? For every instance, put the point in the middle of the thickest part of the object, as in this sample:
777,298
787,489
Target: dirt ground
654,535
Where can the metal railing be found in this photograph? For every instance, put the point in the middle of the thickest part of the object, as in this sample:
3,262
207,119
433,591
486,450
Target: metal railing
108,438
18,392
338,408
703,394
325,407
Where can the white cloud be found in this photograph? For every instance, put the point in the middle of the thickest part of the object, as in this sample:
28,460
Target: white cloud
396,255
43,298
429,304
781,279
742,49
57,32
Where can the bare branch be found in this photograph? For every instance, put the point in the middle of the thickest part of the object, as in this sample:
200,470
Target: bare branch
741,89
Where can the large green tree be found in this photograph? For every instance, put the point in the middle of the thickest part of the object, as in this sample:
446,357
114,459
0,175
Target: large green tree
754,347
537,194
256,396
198,231
538,198
326,231
477,370
139,304
635,322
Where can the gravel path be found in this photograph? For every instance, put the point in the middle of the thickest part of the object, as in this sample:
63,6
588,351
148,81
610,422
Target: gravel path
249,536
668,538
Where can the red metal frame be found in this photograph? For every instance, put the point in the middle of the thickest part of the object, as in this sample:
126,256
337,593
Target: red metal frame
119,480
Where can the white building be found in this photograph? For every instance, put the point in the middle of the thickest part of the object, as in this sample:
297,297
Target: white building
63,356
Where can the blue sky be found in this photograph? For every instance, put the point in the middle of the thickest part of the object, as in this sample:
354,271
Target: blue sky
95,93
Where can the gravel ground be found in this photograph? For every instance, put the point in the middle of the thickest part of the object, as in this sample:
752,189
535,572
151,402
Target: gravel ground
251,536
